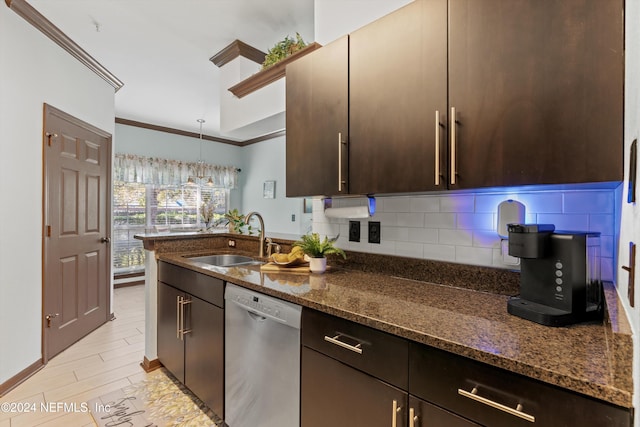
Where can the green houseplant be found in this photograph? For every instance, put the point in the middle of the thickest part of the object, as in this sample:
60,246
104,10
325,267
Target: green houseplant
318,249
236,222
282,49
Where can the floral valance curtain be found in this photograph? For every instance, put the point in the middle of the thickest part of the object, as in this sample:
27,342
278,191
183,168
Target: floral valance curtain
152,170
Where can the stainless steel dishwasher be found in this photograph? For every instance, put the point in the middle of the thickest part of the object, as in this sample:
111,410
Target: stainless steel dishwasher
262,360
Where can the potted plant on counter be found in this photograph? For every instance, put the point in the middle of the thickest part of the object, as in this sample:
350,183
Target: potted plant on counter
317,249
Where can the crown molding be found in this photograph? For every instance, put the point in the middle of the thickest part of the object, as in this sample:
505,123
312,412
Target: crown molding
235,49
46,27
173,131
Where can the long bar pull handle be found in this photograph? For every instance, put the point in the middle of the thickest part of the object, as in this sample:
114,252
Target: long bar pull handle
395,409
516,412
340,181
453,145
437,155
178,317
334,340
183,330
413,418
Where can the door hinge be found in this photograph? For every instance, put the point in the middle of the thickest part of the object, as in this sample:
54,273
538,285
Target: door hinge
49,135
47,231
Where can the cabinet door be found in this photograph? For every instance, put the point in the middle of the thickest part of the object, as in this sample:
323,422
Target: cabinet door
170,346
334,394
204,353
425,415
397,85
537,88
317,116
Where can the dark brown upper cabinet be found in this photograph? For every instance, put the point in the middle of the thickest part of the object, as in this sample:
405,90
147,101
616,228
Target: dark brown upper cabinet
318,121
397,87
537,89
452,94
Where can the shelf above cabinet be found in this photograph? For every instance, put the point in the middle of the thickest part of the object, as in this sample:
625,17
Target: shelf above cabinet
271,74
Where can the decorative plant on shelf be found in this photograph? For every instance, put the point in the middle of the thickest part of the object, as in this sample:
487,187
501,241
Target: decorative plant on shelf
318,249
237,224
282,49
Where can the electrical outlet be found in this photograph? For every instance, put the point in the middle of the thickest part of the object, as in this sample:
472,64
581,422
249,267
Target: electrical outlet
293,217
232,243
374,232
354,231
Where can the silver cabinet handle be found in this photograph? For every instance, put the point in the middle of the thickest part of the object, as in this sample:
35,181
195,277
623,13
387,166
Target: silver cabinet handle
395,409
516,412
340,142
182,331
334,340
437,168
413,418
178,317
453,145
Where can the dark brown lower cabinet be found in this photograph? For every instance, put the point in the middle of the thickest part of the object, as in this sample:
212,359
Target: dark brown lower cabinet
494,397
191,331
425,414
337,395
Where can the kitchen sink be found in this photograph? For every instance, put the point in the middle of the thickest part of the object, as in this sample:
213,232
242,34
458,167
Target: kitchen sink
226,260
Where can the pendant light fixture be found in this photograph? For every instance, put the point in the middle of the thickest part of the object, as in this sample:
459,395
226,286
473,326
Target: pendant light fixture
200,165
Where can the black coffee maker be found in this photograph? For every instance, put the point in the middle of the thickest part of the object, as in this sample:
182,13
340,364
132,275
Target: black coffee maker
560,274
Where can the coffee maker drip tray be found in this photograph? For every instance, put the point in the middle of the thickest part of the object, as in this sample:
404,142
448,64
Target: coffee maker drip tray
545,315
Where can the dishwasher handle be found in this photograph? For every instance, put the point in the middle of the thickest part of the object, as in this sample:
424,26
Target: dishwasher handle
253,312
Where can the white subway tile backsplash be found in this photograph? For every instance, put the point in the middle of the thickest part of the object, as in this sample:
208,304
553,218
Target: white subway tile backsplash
455,237
475,221
457,203
542,202
606,269
440,220
397,234
487,203
588,202
486,239
425,204
388,219
573,222
440,252
461,227
411,250
397,204
475,256
603,223
410,219
424,235
607,248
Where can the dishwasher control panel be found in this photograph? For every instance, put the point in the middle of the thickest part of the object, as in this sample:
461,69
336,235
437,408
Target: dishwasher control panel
263,305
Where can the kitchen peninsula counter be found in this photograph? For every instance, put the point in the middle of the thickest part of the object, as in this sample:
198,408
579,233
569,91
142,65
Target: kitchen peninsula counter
594,359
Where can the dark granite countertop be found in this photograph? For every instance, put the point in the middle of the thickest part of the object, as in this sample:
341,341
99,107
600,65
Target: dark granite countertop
594,359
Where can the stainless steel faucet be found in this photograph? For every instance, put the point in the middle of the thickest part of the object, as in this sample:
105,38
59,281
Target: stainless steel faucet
261,237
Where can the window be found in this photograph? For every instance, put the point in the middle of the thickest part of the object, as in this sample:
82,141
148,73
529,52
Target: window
140,208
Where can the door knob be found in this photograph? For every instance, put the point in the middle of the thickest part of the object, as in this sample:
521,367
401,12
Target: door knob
105,240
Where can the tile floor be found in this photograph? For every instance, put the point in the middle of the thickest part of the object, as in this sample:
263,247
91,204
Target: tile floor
104,361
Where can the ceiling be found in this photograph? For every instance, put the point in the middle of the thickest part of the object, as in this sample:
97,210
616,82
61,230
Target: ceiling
160,49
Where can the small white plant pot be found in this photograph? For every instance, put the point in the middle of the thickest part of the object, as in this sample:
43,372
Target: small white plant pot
317,265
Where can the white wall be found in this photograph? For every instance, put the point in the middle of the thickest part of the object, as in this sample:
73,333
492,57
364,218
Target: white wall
33,71
266,161
630,223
